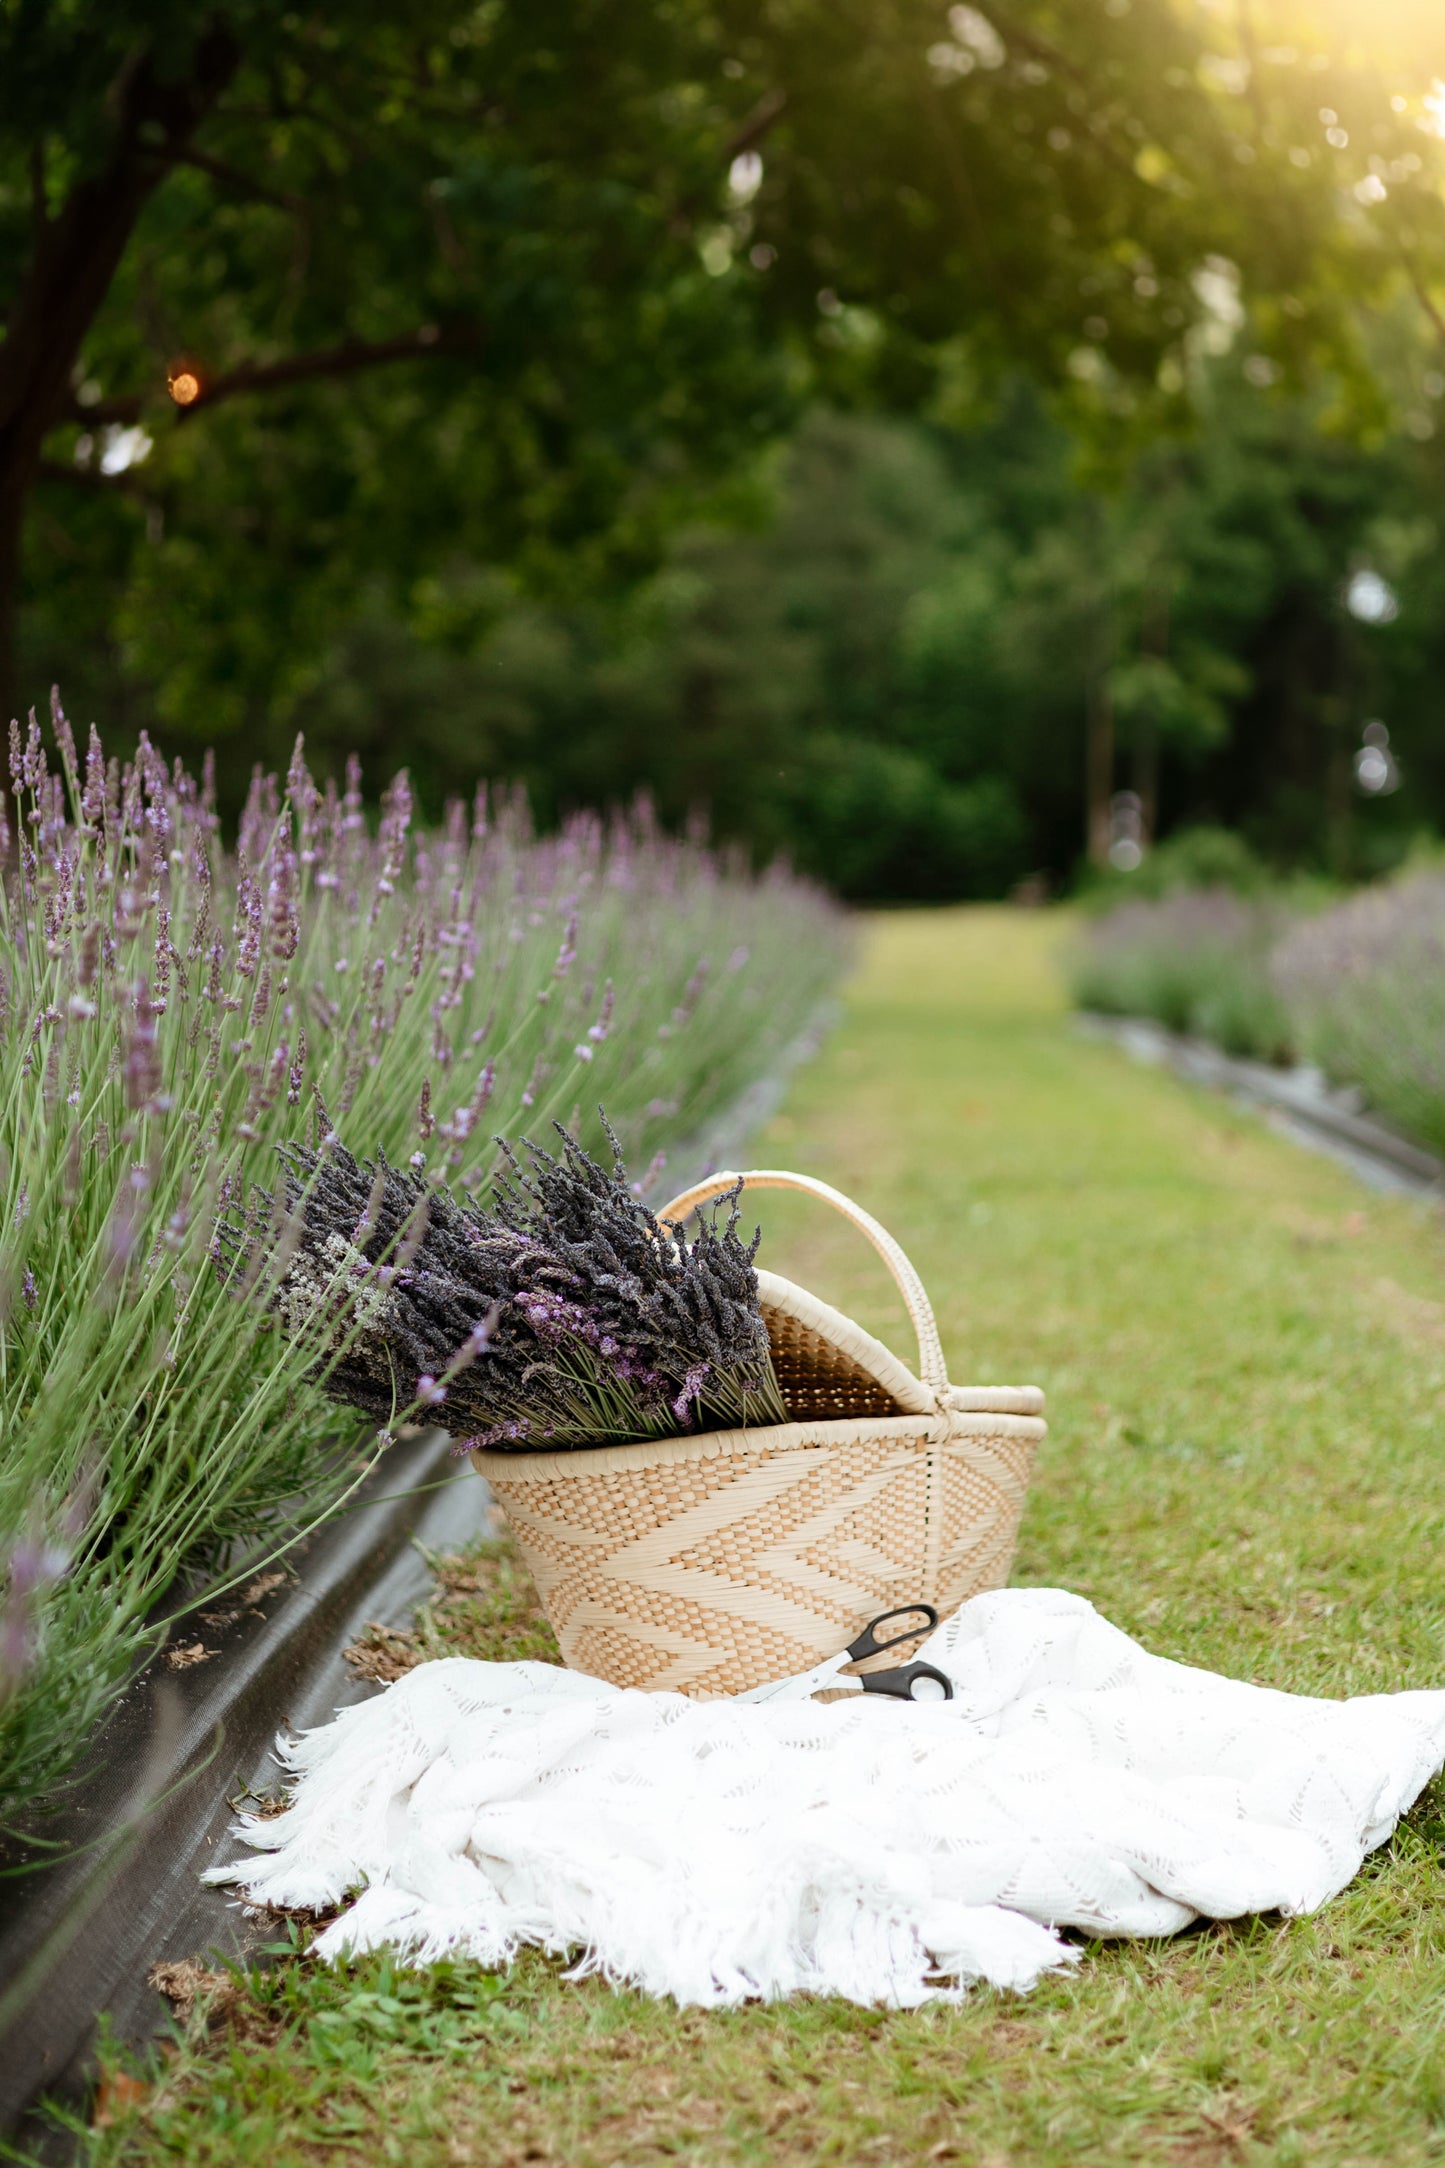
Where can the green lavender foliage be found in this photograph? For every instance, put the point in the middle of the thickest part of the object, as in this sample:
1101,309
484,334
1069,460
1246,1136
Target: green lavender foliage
167,1010
1196,962
1291,972
1364,984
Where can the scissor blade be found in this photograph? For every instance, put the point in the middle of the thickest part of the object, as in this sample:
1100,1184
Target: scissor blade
800,1686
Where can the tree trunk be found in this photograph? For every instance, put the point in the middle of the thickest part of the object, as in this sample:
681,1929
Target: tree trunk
1099,732
1146,742
12,522
73,261
1339,788
1146,780
1099,769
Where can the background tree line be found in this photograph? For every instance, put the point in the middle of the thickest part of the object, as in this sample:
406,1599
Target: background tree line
856,423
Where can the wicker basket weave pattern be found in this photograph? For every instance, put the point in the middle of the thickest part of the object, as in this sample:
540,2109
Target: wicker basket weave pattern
817,1377
711,1563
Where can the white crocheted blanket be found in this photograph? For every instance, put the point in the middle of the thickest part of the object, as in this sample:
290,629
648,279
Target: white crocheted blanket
885,1851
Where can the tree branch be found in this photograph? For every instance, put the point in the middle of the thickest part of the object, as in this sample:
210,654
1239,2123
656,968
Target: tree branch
73,259
349,359
77,251
1421,291
39,201
124,484
1050,56
749,131
764,115
230,177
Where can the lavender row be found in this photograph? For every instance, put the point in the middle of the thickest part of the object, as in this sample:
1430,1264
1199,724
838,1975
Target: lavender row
172,1011
1356,986
1198,962
1364,986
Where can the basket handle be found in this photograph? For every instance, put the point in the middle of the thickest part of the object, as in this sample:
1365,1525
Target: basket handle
930,1350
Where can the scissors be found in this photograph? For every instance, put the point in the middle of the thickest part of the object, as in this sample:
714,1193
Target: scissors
906,1682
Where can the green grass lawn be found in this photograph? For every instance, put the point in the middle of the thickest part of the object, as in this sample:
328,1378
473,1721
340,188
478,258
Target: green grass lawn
1244,1354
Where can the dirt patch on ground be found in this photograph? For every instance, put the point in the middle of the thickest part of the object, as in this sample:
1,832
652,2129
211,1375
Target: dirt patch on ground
1415,1319
188,1985
383,1653
1223,2135
485,1605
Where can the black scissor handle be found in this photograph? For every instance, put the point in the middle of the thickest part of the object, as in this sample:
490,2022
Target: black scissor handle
903,1684
868,1643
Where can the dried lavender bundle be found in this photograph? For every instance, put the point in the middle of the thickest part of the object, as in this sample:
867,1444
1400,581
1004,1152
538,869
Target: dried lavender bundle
565,1315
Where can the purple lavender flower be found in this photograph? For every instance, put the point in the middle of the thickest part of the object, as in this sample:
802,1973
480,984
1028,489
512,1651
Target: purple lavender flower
32,1567
567,954
692,1385
553,1320
598,1032
513,1432
479,1339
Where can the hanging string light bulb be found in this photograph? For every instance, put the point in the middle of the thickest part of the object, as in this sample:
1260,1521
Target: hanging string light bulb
1377,772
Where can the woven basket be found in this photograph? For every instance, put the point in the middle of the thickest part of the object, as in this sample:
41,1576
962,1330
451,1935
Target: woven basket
711,1563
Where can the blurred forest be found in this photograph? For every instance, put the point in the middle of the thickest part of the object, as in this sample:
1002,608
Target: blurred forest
889,675
885,432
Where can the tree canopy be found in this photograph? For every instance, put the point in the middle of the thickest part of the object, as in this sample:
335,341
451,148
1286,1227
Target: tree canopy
891,676
307,307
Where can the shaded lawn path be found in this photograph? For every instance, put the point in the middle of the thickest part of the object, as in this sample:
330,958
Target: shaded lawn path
1244,1354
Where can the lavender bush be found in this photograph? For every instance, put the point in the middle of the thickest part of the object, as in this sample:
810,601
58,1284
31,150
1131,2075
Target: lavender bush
167,1008
1364,985
1197,961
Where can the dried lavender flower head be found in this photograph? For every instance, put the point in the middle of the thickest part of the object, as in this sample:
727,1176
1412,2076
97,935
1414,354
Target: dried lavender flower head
565,1314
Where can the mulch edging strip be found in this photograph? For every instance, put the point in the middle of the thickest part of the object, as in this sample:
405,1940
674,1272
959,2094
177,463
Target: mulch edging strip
194,1735
1298,1099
